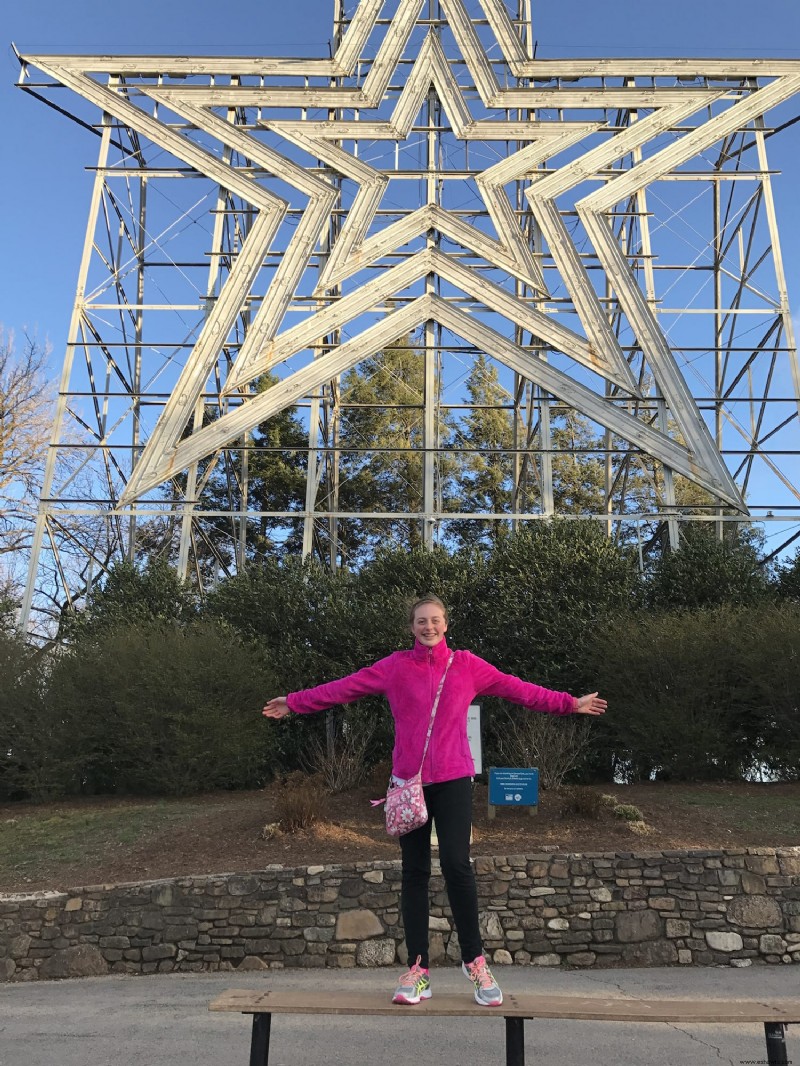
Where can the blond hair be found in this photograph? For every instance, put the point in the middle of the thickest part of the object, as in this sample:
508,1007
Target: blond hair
421,602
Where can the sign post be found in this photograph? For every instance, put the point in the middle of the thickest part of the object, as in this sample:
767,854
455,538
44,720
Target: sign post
474,736
513,788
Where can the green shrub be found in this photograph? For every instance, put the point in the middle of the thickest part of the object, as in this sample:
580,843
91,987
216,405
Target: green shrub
702,695
160,710
542,594
585,802
628,812
39,746
132,595
707,572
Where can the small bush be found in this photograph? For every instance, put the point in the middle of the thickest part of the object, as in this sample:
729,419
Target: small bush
554,745
628,812
300,803
341,761
585,802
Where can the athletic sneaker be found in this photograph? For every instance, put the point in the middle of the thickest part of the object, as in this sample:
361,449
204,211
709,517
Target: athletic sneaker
414,985
487,993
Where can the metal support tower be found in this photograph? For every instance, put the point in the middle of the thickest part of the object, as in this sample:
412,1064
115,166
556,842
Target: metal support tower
603,232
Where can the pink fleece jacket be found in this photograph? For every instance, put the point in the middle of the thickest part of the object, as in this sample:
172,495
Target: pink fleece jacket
409,680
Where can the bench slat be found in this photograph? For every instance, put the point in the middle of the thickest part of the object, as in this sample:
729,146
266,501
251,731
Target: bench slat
525,1005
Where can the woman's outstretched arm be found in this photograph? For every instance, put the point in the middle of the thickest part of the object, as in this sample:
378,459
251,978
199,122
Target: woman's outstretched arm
371,681
493,682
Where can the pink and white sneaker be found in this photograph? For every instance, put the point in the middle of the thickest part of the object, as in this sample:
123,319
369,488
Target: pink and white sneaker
487,991
414,985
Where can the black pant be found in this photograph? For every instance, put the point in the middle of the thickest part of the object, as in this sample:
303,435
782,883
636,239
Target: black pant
450,808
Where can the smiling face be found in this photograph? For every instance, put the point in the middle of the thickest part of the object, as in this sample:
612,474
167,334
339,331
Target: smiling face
429,624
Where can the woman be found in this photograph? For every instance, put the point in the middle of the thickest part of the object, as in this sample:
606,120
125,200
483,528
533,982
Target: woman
409,680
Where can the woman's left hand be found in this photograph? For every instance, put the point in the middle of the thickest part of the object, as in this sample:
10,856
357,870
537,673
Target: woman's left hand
591,704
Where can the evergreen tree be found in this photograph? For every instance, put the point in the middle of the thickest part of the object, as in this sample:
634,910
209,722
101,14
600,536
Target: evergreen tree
484,478
578,476
277,459
381,444
275,482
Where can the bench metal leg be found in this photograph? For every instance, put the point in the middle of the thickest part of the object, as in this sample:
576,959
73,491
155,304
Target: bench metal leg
515,1042
776,1043
259,1044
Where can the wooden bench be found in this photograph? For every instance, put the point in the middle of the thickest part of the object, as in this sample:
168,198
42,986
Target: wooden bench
774,1014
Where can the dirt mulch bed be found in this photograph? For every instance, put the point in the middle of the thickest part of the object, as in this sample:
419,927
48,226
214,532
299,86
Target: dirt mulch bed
225,832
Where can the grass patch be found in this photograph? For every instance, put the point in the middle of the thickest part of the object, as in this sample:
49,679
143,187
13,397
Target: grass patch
45,840
735,811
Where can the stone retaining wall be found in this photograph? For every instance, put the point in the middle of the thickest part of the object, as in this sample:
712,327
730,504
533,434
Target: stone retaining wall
733,907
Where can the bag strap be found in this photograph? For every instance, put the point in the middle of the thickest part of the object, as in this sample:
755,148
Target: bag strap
434,709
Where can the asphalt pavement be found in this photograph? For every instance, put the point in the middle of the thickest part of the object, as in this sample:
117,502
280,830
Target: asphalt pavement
160,1020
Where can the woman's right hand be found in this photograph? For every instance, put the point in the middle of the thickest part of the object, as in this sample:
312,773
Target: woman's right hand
276,708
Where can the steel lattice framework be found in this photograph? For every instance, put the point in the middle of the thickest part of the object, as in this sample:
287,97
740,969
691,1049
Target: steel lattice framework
604,230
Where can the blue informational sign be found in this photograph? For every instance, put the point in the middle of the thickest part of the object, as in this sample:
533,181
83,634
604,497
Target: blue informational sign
513,788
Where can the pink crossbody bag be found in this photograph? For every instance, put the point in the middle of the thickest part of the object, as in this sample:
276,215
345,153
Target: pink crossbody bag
404,805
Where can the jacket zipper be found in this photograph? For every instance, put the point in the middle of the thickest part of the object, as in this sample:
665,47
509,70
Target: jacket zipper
430,690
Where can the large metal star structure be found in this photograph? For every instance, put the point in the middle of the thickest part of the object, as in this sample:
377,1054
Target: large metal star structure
307,126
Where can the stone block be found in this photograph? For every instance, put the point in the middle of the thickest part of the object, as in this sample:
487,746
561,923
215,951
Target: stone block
341,962
81,961
380,952
558,923
729,878
358,925
582,958
755,912
243,886
677,928
318,936
769,944
600,895
490,926
158,951
789,864
252,962
162,895
720,940
546,960
652,953
635,926
662,903
19,946
324,894
753,884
